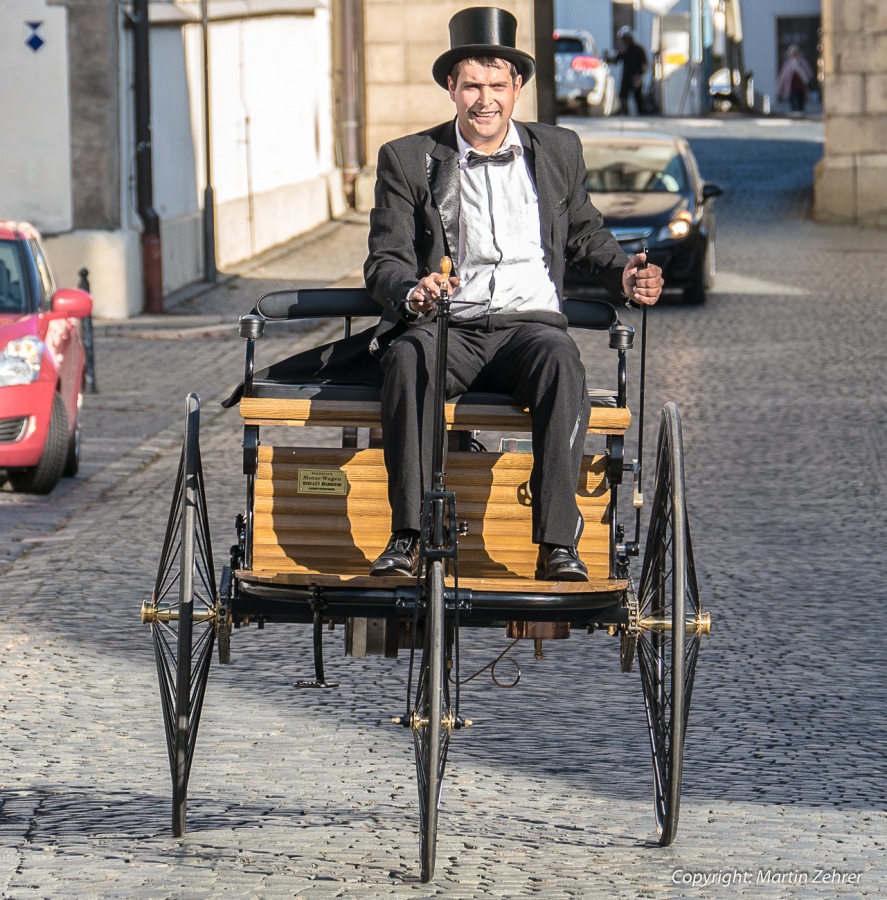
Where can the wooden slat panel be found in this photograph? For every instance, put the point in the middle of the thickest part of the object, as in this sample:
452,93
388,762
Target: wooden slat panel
364,414
284,487
497,476
331,528
339,535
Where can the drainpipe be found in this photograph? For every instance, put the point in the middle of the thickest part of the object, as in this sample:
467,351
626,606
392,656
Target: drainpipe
209,204
350,126
152,272
543,27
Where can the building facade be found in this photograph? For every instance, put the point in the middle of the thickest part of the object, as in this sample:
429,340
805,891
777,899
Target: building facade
851,178
69,147
402,38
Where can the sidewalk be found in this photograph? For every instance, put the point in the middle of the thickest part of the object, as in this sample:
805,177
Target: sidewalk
330,255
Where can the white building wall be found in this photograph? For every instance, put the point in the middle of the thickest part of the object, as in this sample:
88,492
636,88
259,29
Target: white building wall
273,166
35,181
595,17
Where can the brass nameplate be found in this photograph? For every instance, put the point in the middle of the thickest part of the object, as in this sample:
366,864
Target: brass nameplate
322,481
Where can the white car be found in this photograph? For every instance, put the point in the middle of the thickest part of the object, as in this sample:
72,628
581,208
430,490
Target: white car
583,80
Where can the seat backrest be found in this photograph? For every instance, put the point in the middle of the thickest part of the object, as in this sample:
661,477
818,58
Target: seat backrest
312,303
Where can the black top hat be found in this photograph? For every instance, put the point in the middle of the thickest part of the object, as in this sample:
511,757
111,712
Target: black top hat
478,32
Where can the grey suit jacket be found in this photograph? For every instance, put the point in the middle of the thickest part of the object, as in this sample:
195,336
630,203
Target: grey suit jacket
415,220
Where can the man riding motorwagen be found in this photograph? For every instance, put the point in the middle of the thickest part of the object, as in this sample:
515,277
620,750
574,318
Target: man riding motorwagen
505,201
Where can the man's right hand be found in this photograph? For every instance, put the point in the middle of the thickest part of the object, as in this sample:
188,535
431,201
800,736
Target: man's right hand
427,292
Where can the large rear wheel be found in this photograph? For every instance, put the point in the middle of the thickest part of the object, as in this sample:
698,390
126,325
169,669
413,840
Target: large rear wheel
671,624
182,612
432,719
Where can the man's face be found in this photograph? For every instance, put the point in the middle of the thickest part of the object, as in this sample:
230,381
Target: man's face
484,99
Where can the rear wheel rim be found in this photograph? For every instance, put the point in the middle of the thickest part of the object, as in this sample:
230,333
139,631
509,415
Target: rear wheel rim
667,656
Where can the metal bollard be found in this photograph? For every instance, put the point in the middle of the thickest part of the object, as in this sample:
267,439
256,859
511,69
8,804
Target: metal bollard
89,378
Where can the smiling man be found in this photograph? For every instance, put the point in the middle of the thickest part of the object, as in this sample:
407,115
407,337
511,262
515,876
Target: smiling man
505,201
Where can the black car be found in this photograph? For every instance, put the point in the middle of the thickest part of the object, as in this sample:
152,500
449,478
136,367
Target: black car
650,193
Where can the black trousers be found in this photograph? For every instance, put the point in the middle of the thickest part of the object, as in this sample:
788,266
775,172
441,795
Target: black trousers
522,355
628,90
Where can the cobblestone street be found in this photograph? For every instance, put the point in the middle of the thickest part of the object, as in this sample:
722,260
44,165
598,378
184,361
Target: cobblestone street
780,379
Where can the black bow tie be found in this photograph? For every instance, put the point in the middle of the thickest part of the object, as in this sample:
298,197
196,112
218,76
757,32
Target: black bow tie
497,159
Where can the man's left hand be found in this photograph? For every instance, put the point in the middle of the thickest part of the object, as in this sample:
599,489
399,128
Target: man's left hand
642,285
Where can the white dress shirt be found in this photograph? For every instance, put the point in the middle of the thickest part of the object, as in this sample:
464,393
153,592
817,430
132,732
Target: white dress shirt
501,264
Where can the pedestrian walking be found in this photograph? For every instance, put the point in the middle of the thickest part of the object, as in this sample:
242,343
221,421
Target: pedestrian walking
795,77
634,62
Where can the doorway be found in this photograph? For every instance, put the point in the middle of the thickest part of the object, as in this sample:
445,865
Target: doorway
806,32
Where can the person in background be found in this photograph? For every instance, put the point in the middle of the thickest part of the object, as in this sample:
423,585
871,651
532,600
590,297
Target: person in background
795,77
634,65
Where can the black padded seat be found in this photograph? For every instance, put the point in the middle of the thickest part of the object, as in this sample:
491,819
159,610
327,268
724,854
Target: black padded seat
275,390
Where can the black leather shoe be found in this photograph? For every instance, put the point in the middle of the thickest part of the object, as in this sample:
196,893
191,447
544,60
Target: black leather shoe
559,564
400,557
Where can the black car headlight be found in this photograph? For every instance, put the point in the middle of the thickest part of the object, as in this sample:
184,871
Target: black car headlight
677,229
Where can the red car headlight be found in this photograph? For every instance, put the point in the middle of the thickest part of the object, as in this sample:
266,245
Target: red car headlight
20,361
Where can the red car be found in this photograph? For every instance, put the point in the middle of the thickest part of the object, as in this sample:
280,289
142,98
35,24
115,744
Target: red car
42,365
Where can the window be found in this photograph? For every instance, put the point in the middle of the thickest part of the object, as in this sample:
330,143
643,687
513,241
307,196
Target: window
634,168
43,272
623,17
12,283
568,45
806,32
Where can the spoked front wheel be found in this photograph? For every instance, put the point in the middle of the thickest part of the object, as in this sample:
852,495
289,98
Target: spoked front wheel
432,718
671,624
182,612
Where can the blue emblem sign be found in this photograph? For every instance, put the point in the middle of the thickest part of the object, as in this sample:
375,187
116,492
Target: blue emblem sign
33,39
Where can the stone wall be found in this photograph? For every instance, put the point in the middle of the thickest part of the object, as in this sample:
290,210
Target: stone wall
402,39
95,113
851,178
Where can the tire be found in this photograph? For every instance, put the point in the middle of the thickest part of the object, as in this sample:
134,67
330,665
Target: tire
182,612
711,268
430,710
43,477
72,458
667,648
696,292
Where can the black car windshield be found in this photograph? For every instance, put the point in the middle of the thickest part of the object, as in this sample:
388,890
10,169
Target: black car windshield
634,167
12,282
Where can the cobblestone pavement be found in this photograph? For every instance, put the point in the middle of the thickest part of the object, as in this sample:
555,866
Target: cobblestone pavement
780,380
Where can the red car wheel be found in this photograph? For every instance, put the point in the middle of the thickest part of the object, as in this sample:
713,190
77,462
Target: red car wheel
43,477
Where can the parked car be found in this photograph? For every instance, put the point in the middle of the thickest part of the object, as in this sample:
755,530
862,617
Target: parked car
583,80
731,90
650,193
42,365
